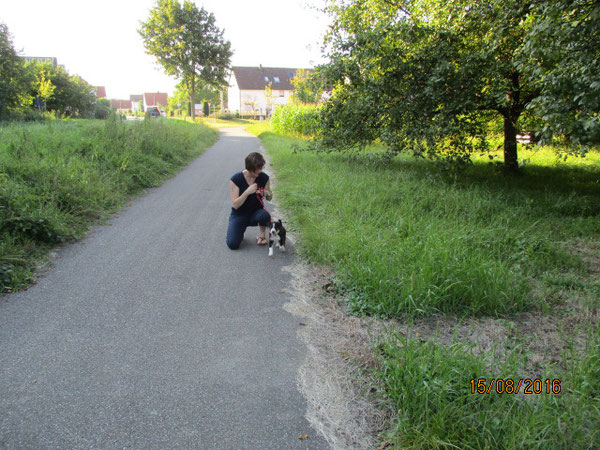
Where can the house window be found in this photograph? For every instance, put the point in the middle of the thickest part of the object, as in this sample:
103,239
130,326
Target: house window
276,79
267,79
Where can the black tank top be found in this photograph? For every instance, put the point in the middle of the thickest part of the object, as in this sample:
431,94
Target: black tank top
252,203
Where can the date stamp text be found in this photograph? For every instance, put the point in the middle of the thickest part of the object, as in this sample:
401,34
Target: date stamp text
515,386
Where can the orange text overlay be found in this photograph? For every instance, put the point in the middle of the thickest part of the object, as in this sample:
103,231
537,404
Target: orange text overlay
515,386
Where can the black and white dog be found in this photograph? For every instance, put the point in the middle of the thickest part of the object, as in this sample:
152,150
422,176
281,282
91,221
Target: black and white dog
276,231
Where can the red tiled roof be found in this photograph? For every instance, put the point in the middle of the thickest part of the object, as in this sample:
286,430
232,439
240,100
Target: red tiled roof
100,91
257,78
155,99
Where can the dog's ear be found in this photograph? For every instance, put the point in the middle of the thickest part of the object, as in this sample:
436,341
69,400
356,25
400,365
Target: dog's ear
280,222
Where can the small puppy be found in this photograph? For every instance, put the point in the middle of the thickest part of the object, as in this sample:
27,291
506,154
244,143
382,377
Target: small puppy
276,231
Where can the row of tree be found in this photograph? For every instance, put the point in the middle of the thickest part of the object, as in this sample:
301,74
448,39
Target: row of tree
432,76
41,86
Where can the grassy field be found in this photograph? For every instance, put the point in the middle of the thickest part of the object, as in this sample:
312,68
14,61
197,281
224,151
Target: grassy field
59,177
408,241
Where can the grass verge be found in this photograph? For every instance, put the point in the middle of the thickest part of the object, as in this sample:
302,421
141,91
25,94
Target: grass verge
58,177
407,241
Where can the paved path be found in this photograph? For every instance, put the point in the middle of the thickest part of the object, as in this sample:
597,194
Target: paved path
150,333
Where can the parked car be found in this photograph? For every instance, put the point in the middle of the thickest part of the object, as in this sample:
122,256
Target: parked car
155,111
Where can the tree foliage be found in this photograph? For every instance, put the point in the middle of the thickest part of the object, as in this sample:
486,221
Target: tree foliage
429,75
62,93
562,52
14,82
55,89
308,86
202,93
187,43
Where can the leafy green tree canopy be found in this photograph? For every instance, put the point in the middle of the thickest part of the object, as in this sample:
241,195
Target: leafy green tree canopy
202,93
14,80
429,75
61,92
562,52
187,43
308,86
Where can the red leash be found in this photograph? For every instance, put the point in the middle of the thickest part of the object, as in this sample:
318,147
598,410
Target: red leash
260,200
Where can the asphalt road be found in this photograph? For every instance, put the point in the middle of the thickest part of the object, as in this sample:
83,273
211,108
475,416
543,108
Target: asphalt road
150,333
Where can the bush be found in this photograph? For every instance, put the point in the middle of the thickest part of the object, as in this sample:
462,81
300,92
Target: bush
228,116
297,120
102,108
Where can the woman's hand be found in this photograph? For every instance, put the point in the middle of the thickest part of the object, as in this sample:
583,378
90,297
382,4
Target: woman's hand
252,188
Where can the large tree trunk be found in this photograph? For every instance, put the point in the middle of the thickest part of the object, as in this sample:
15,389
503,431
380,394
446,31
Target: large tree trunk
510,143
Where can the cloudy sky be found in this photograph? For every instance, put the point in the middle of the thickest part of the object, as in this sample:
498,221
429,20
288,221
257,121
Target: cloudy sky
99,42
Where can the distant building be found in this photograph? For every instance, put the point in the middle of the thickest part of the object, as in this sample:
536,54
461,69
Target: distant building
246,93
100,91
135,102
159,99
121,106
51,59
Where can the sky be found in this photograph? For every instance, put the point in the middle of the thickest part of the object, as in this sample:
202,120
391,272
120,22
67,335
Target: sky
98,40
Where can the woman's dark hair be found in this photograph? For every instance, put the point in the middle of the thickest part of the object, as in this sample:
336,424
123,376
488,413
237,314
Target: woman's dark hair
254,161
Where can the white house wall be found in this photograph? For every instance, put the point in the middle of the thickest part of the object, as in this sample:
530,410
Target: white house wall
233,96
244,100
253,98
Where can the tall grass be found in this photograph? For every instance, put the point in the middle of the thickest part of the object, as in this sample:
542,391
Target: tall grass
56,178
296,119
407,240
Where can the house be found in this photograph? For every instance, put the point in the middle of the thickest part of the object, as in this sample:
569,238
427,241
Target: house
135,102
100,91
121,106
247,89
154,99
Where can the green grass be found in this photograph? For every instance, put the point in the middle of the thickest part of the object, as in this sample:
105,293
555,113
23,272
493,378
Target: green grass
222,123
58,177
429,385
405,239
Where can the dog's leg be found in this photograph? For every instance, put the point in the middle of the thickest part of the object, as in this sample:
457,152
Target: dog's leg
282,243
270,247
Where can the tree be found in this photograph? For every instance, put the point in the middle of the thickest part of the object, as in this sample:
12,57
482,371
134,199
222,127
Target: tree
269,98
308,86
14,80
44,86
102,108
70,94
563,51
187,43
429,75
202,94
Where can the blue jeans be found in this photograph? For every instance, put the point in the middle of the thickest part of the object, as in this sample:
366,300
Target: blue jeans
238,224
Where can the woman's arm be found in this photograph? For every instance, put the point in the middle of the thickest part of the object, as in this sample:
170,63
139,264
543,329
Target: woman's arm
238,200
268,191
